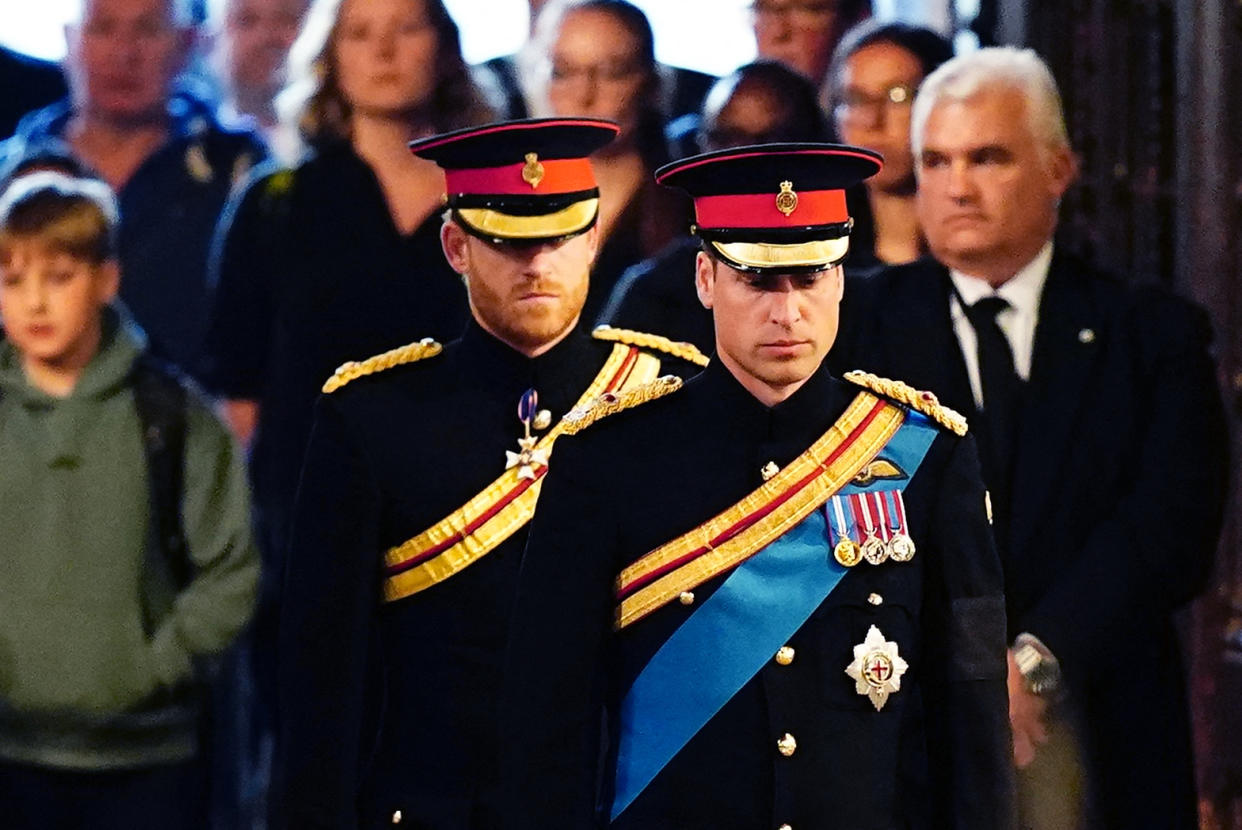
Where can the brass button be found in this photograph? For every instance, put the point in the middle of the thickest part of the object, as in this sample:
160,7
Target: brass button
875,599
787,745
396,817
769,470
785,655
686,598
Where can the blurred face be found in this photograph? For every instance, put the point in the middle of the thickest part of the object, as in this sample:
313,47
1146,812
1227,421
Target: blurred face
385,53
596,70
51,304
528,296
772,331
751,115
876,88
122,57
255,41
988,188
799,33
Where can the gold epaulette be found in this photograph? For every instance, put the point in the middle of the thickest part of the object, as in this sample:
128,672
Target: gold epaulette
924,402
610,403
685,351
399,356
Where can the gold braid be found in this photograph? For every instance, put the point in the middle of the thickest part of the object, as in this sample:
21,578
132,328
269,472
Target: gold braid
396,357
611,403
685,351
924,402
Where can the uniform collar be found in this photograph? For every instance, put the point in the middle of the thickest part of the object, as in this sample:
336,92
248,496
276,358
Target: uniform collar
806,413
491,361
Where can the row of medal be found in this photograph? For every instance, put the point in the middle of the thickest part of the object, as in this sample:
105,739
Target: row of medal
869,527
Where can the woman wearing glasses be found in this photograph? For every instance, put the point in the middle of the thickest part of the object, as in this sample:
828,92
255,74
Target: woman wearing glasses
596,58
874,75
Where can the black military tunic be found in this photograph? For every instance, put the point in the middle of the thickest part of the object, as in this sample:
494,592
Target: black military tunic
387,710
797,746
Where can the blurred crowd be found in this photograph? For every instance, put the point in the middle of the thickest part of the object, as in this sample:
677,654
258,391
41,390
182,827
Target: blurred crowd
273,224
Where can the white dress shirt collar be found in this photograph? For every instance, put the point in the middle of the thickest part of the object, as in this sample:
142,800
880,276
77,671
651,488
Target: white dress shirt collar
1022,291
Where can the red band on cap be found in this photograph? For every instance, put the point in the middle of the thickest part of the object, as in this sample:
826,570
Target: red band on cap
554,176
759,210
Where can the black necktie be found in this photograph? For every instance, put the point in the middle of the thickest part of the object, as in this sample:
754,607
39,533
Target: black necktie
1001,391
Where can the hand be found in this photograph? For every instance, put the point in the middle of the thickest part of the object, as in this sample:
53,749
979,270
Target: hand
1026,717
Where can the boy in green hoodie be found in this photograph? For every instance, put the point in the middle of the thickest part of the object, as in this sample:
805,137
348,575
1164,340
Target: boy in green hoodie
112,603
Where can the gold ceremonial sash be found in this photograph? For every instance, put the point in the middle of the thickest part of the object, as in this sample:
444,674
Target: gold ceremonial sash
783,501
504,506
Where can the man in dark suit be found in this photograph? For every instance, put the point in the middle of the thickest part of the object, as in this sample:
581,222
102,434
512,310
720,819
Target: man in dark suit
1101,435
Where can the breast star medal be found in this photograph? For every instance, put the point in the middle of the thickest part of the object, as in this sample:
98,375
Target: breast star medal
530,457
877,668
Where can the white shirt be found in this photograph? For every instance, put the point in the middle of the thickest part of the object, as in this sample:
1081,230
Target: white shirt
1022,291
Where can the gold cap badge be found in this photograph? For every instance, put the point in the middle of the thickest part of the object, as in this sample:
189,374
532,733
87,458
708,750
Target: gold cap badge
787,200
532,173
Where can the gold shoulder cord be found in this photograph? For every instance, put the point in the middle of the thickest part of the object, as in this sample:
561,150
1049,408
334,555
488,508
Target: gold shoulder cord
925,402
399,356
685,351
611,403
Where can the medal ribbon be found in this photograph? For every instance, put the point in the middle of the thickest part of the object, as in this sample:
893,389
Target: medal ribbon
842,528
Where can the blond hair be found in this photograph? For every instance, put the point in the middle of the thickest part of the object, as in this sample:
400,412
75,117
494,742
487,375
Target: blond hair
68,215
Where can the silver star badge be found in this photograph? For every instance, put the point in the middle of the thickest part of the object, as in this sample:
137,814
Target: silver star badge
877,668
528,459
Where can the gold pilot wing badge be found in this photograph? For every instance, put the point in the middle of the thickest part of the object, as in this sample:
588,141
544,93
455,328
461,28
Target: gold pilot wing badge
877,668
880,469
787,200
532,172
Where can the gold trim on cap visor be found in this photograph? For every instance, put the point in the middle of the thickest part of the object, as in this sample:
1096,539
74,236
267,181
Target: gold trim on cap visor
825,252
488,222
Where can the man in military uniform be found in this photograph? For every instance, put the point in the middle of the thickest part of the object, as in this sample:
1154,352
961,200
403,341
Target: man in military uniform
787,605
422,471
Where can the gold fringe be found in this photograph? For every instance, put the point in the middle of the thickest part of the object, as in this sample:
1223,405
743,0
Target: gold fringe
925,402
685,351
610,403
396,357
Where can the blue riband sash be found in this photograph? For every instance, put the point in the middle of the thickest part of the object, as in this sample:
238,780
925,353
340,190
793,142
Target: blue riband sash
725,643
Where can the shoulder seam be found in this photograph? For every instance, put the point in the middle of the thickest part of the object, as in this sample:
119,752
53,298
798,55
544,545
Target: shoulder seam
679,349
409,353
